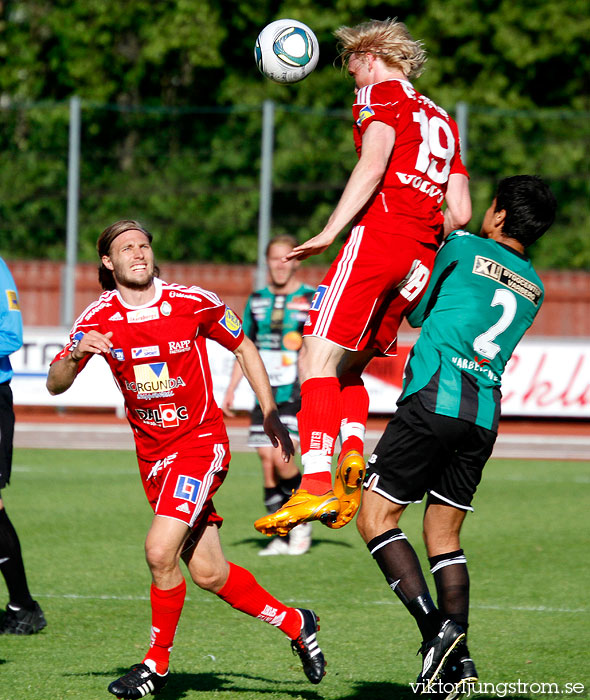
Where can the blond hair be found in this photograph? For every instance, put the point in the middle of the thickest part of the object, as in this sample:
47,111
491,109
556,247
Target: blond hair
282,239
388,39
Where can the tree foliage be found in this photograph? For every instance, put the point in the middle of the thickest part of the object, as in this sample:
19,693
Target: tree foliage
171,118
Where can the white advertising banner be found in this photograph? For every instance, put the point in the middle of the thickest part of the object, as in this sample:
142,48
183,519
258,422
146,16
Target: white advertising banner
548,378
544,378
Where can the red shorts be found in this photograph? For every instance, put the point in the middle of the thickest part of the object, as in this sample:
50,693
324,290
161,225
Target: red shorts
182,484
376,279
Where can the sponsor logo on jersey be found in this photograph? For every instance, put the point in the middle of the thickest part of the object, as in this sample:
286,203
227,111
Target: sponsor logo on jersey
486,267
475,365
260,303
421,185
12,300
184,296
143,315
96,309
116,317
117,354
176,346
166,415
364,113
298,304
166,308
187,488
147,351
318,297
153,380
292,340
183,508
77,337
231,323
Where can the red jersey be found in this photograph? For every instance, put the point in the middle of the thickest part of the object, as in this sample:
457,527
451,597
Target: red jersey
159,361
425,153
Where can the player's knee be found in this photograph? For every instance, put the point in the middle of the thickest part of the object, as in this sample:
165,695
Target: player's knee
209,578
440,541
159,558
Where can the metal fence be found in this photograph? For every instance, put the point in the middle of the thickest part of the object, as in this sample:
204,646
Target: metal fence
218,179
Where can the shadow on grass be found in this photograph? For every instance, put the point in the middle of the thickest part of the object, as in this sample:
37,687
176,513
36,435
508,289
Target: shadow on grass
181,683
261,543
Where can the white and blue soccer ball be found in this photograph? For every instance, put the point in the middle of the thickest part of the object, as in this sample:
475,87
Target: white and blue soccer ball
286,51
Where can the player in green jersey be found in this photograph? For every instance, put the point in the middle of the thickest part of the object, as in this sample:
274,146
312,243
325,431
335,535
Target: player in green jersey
273,318
482,296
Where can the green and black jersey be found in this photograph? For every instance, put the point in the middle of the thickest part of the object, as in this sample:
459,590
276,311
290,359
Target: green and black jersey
481,299
274,322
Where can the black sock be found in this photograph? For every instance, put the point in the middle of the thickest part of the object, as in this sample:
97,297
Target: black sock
287,486
273,498
400,566
452,586
11,565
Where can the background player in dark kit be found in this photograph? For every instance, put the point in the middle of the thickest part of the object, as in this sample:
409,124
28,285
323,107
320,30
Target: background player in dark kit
273,319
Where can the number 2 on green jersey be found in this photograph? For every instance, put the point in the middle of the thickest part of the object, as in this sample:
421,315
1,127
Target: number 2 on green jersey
484,343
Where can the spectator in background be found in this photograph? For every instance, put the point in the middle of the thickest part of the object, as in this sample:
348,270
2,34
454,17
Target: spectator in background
23,615
273,319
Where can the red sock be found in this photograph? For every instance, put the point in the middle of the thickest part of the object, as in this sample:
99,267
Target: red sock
355,411
244,593
319,423
166,609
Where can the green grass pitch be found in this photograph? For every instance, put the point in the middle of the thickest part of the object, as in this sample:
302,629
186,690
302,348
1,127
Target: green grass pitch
82,518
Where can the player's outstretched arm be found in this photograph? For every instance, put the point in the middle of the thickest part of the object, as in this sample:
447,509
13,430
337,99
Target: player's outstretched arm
63,372
254,371
228,399
378,142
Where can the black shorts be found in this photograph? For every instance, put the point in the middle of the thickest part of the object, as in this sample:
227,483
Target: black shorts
423,452
288,415
6,433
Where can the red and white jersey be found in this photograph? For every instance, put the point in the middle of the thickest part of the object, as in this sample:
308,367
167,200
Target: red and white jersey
425,153
159,361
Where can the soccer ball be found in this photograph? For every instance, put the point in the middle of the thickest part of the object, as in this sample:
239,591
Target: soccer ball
286,51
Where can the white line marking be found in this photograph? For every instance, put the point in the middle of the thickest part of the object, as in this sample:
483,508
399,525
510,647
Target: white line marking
484,606
476,606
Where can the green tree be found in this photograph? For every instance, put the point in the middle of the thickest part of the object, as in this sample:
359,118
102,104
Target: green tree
172,115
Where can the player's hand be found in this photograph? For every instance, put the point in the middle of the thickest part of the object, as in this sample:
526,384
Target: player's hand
227,403
277,433
314,246
92,343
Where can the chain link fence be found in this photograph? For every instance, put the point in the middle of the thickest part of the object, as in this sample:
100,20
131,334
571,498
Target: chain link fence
193,175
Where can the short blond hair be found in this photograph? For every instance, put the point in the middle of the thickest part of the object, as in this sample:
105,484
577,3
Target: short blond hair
388,39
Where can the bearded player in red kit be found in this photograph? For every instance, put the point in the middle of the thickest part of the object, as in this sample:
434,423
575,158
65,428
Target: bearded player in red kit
409,163
153,336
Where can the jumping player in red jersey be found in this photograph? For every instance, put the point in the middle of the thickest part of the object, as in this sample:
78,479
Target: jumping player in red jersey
153,336
409,163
